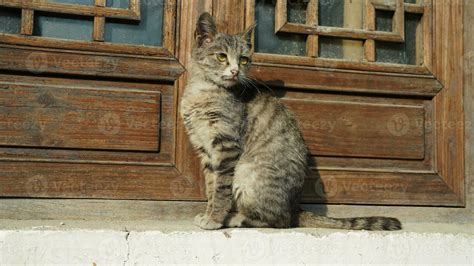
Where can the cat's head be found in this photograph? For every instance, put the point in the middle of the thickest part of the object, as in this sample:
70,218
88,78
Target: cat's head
224,59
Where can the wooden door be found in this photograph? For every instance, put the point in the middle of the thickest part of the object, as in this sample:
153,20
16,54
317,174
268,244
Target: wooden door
376,86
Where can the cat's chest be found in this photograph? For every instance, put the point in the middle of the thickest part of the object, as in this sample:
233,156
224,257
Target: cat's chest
212,108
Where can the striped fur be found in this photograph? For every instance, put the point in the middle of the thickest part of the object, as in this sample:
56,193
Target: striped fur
251,148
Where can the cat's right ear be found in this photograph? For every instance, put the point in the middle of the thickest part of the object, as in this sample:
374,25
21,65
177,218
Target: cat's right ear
206,29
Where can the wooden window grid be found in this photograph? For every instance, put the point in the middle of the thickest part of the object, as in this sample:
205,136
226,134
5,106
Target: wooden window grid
99,12
368,34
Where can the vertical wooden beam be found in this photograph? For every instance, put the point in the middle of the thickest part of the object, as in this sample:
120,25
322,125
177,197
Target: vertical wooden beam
353,13
250,18
312,43
99,24
427,23
27,21
448,48
229,15
281,14
399,18
170,9
369,44
135,7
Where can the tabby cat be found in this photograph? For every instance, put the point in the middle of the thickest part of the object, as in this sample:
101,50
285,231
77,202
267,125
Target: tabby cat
251,148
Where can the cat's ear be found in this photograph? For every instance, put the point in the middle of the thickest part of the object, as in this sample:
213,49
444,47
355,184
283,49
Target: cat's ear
247,34
206,29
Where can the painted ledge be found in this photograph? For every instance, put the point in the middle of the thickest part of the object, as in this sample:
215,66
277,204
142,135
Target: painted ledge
152,242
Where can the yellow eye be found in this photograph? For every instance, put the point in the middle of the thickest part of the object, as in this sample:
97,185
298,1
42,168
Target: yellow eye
244,61
222,57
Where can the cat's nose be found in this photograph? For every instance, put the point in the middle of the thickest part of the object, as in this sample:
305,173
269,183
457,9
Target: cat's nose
235,72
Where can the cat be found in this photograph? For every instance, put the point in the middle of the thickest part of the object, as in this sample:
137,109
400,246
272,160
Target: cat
252,151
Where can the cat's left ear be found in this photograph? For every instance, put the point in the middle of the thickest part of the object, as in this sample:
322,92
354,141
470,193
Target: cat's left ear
247,34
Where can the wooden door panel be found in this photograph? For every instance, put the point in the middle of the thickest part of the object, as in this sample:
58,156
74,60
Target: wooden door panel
86,118
345,128
101,181
77,120
392,139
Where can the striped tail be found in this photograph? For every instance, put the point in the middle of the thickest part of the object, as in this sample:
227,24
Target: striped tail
309,219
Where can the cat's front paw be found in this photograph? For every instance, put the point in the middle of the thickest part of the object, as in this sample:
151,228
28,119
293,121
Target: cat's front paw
205,222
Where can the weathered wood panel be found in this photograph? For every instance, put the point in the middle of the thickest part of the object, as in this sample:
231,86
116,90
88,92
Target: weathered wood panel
361,129
86,118
358,187
62,180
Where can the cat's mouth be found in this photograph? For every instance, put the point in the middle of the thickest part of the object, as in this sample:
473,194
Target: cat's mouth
230,78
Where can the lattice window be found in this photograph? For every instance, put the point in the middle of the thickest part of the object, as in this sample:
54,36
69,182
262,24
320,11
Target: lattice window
97,25
368,32
99,11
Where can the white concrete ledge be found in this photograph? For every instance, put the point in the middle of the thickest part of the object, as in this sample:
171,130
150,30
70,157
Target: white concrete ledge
62,245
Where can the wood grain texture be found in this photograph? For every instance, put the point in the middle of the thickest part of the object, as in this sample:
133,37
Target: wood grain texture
229,15
75,9
291,61
469,101
448,61
59,180
99,24
312,42
99,28
27,21
369,17
187,162
342,32
378,188
348,129
82,46
75,63
87,118
323,79
167,125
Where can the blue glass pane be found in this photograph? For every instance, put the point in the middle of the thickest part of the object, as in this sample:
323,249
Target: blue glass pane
266,41
400,53
10,20
148,31
63,26
118,3
78,2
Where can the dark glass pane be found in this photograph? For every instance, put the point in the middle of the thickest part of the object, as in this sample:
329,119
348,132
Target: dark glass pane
118,3
297,11
384,20
148,31
78,2
330,47
266,41
331,13
400,53
410,1
63,26
10,20
338,48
